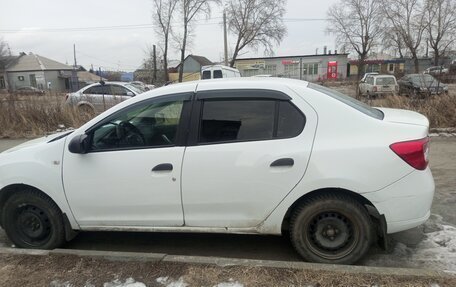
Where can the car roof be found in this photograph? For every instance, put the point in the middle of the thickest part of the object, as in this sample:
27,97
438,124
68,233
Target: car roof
383,76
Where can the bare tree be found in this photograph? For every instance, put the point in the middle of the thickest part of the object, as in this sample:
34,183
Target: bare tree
357,25
3,48
189,11
163,15
441,26
392,42
407,19
256,23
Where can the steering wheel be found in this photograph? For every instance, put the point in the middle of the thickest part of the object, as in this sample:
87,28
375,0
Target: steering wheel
129,135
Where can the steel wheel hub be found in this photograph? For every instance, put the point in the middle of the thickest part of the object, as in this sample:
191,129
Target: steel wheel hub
33,223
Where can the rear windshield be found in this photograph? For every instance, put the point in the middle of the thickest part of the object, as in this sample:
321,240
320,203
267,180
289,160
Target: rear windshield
385,81
360,106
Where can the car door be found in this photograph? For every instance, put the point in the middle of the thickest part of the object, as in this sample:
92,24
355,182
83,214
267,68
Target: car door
247,151
119,93
96,95
130,175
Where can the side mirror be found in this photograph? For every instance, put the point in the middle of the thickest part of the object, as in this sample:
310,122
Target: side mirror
79,144
130,94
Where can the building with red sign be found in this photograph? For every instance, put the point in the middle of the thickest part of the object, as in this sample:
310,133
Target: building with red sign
304,67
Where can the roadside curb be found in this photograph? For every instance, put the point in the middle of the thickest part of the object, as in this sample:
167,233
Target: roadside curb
225,262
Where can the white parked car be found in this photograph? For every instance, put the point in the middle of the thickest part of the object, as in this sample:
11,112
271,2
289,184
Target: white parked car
246,155
375,85
218,72
99,97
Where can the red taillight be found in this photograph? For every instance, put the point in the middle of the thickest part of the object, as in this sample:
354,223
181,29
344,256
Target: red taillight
415,152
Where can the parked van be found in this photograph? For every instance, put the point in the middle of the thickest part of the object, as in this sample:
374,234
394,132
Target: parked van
218,71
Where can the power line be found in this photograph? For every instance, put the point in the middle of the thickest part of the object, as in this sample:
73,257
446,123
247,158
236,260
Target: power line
133,26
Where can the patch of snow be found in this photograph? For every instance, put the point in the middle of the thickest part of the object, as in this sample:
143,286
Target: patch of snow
162,280
166,281
436,251
129,282
229,284
58,283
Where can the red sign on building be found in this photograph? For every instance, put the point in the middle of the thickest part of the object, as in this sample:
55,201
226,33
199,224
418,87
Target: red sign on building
332,70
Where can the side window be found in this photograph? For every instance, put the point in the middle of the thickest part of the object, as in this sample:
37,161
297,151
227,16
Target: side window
218,74
206,75
96,90
370,80
117,90
290,120
236,120
148,124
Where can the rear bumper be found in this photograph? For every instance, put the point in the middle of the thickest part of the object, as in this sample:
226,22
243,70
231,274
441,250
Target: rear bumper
407,202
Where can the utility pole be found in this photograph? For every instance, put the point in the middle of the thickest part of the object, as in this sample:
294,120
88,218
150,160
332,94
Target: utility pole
225,40
155,64
74,55
74,85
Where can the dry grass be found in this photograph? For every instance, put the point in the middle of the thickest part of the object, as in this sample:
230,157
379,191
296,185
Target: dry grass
439,109
32,116
23,270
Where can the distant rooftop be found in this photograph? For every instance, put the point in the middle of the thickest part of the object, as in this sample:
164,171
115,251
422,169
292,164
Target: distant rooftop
34,62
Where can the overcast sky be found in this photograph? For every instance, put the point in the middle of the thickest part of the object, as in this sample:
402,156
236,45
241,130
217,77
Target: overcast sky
124,49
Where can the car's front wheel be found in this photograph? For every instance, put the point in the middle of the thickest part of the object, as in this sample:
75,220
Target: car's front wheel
331,228
33,220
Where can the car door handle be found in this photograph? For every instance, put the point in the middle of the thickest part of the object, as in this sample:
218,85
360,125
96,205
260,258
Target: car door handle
163,167
283,162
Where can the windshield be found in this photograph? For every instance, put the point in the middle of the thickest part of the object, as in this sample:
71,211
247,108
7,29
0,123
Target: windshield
135,89
385,81
360,106
426,80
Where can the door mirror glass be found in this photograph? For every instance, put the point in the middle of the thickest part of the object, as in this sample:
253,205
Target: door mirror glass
79,144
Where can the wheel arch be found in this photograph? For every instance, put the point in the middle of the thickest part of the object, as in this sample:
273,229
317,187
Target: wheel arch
368,205
8,190
85,103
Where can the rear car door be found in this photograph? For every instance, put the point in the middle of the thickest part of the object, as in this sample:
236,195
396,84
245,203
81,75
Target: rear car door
247,150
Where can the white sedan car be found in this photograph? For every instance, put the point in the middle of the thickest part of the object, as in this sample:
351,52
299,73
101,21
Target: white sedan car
98,97
244,155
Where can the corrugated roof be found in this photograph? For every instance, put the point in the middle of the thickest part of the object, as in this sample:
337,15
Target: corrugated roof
84,76
34,62
203,61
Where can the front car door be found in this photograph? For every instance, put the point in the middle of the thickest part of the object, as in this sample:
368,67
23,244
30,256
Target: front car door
131,173
247,150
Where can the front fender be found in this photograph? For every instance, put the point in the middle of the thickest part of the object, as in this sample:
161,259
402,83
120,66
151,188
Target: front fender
39,166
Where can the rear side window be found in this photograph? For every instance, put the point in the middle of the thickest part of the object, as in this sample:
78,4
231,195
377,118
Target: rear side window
360,106
225,120
234,120
218,74
290,121
96,90
206,75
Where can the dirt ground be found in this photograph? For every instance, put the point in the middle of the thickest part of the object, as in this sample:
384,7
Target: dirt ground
60,271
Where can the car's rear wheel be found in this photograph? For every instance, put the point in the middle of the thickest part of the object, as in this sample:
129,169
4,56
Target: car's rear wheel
331,228
86,111
32,220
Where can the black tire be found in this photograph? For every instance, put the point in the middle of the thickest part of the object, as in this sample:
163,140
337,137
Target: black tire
331,228
33,220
